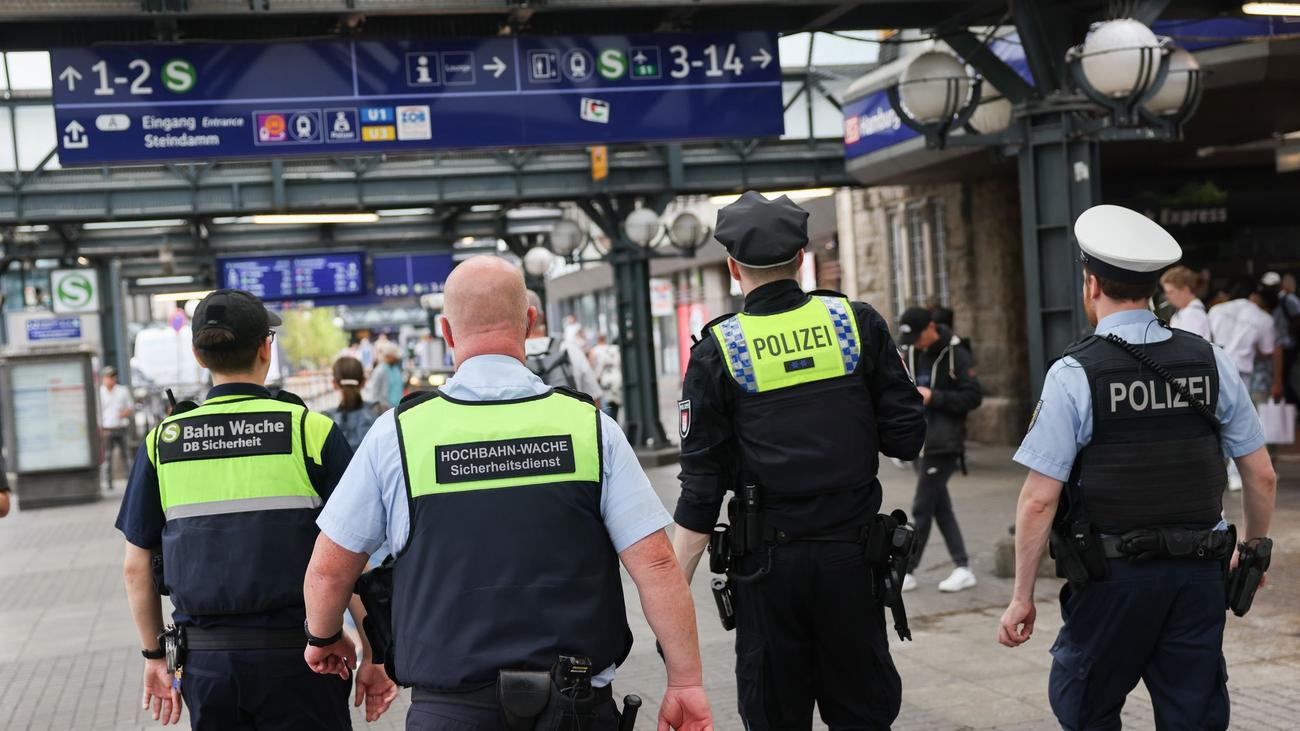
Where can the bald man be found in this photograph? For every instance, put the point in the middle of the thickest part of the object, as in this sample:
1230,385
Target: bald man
509,505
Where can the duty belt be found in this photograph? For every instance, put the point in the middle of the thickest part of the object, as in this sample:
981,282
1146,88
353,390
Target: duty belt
1178,543
243,638
485,697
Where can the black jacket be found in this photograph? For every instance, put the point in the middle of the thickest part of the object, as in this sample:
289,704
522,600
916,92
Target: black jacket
710,454
947,369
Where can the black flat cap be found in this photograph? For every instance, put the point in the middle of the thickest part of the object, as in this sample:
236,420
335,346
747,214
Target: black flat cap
760,233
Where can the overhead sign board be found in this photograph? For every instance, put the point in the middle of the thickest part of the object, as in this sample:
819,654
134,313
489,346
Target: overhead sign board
303,276
206,101
74,290
411,275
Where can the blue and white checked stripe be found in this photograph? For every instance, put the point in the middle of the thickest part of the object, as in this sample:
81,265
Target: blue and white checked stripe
742,366
842,320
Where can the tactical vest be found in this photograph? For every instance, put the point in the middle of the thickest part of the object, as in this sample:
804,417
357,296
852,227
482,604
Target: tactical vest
804,418
508,564
240,507
1153,460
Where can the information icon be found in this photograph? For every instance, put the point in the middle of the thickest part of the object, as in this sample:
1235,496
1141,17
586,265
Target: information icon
422,69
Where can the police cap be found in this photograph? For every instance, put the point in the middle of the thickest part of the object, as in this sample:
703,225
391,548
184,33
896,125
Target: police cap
762,233
237,312
1123,245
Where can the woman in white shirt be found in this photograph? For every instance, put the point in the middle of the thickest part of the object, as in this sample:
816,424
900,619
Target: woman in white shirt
1179,283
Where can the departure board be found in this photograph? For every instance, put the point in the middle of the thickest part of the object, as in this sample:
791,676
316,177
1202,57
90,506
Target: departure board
306,276
411,275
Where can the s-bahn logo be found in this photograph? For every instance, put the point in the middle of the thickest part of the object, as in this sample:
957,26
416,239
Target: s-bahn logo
179,76
170,433
74,290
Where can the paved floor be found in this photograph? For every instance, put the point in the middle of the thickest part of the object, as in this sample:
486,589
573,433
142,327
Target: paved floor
69,661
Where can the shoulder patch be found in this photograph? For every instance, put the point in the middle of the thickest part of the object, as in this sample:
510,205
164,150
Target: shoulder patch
1033,419
684,418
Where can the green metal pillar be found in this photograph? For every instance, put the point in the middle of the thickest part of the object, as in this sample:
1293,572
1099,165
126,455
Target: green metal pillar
636,344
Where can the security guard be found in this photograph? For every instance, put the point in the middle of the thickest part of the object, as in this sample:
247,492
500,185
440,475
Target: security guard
509,506
226,495
789,403
1125,452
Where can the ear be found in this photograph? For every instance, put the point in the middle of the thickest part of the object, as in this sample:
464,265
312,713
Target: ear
733,269
445,326
532,319
1091,286
264,350
198,357
798,262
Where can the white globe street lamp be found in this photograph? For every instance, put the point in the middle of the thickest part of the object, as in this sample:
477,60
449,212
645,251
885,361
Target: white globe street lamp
686,231
993,113
566,237
641,226
1121,58
538,261
934,87
1181,84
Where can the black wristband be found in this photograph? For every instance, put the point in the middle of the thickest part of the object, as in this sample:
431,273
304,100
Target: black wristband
315,641
154,654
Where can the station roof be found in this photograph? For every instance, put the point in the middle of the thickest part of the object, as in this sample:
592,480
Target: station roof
38,24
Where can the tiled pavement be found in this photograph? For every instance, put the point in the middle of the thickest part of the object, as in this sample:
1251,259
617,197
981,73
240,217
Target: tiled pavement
69,661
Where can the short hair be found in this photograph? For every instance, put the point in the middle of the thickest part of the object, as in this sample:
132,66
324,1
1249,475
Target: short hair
222,352
765,275
1122,291
1180,277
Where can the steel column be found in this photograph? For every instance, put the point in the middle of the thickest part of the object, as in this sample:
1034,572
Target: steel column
112,325
641,421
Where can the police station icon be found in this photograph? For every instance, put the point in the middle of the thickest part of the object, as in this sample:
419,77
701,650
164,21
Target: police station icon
341,124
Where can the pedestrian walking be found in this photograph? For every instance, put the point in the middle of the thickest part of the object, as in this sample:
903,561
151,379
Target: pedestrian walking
387,385
1244,328
115,409
1125,456
510,505
788,404
945,377
607,363
219,515
353,416
1179,285
558,362
1286,325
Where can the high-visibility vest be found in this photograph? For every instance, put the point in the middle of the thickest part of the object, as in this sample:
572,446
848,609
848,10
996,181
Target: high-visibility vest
813,342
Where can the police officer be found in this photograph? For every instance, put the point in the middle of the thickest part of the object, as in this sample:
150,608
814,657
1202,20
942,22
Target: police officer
227,494
1125,452
790,401
509,506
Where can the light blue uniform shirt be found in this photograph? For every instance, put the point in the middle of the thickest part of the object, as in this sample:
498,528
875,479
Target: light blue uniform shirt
369,505
1063,420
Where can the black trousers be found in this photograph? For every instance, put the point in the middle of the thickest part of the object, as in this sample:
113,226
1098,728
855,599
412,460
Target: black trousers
933,503
261,690
810,632
436,716
1160,622
115,439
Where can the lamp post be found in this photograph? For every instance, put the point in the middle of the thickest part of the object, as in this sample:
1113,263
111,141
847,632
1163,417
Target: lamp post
1121,83
637,236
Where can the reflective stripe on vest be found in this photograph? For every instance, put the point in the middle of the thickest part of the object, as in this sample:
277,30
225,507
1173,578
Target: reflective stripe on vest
814,342
233,454
456,447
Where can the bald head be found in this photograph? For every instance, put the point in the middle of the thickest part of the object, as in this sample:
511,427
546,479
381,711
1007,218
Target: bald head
486,308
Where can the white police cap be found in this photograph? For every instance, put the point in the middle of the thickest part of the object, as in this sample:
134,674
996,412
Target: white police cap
1124,245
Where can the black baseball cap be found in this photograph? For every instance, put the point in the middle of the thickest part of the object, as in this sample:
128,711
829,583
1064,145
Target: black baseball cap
236,312
910,325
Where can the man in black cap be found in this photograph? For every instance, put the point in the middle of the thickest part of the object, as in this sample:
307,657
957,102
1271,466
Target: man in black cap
945,377
788,404
219,514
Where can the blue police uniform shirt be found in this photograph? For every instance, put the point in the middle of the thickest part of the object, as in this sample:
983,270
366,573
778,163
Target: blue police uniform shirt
1062,423
141,516
369,507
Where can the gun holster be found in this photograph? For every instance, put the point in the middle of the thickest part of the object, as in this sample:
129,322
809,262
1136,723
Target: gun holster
523,695
375,587
887,546
1080,557
1253,559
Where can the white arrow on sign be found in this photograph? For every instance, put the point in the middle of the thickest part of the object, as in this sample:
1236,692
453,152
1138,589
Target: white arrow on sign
762,59
74,136
497,67
71,76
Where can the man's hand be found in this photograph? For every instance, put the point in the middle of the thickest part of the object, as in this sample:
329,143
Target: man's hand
1232,566
925,395
1017,623
685,708
159,693
377,688
4,503
336,659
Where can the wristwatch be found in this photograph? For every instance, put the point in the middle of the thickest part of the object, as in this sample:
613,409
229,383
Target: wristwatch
315,641
154,654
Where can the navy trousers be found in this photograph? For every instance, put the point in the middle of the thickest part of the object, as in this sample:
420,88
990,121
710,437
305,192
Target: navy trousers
1159,622
262,690
812,632
437,716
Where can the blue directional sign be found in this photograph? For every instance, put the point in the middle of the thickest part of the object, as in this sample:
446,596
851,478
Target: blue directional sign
211,101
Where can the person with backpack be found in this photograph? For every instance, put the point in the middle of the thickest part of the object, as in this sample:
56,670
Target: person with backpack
556,361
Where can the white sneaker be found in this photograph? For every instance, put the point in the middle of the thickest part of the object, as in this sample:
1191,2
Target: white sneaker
909,583
1234,481
960,578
